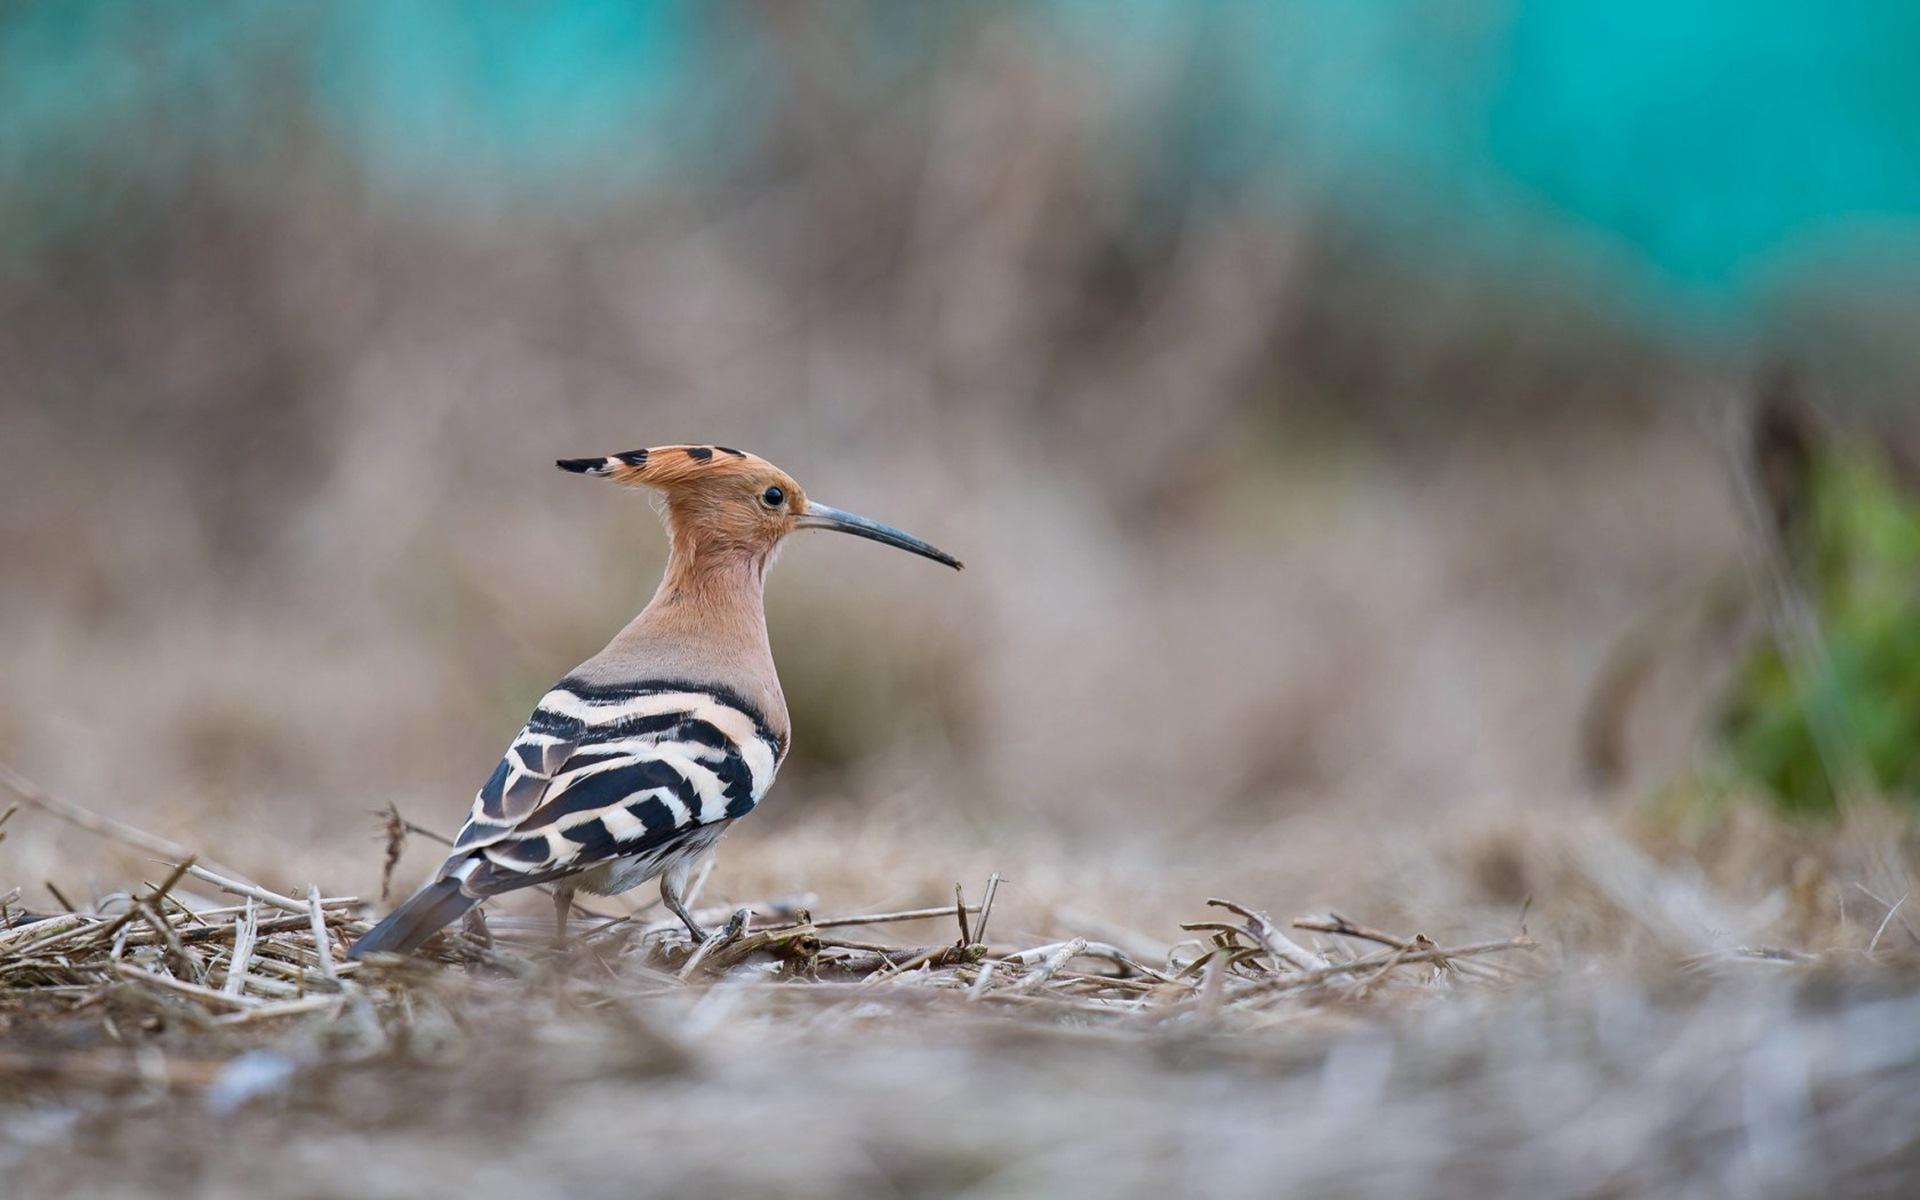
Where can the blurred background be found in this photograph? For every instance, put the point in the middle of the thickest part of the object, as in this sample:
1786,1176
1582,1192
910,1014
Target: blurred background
1375,432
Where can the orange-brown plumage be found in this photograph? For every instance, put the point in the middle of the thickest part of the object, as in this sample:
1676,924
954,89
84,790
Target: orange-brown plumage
713,497
638,759
707,619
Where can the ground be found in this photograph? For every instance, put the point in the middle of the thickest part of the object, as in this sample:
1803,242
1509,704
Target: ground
1618,1040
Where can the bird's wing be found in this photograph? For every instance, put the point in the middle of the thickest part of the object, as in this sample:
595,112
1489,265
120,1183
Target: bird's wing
602,772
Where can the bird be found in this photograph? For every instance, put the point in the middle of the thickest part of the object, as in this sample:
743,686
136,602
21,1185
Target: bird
635,763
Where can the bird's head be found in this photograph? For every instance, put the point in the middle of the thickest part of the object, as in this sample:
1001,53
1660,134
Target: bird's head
726,502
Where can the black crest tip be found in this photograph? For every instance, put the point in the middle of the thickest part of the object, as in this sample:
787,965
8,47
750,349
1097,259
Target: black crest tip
582,466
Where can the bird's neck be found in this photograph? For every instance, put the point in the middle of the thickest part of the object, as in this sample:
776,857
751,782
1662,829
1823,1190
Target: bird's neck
705,624
720,590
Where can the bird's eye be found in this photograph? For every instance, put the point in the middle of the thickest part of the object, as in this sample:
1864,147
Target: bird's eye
773,497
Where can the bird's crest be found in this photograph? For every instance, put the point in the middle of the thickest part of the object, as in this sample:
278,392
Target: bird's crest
719,497
669,466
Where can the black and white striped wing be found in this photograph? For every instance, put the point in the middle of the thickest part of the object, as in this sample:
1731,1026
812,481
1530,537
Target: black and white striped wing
605,772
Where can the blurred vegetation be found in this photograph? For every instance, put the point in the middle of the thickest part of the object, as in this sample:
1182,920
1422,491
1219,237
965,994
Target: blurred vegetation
1296,409
1793,728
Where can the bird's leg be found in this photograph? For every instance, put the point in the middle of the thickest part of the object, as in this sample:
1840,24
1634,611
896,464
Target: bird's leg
671,884
562,908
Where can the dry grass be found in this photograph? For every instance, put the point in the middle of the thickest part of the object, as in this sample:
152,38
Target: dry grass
275,956
924,1051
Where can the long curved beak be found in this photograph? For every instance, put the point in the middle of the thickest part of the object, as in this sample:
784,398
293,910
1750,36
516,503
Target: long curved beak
821,516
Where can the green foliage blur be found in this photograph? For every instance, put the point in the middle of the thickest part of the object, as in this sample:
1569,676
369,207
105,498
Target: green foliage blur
1792,729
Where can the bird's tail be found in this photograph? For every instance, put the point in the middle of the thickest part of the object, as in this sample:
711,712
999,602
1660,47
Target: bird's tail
424,914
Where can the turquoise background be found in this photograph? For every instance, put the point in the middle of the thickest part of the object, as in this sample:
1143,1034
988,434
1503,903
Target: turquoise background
1701,151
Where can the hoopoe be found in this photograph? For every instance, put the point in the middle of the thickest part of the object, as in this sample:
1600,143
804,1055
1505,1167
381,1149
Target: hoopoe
636,762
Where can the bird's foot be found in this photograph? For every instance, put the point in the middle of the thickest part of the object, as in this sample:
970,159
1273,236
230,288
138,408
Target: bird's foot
475,926
678,907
